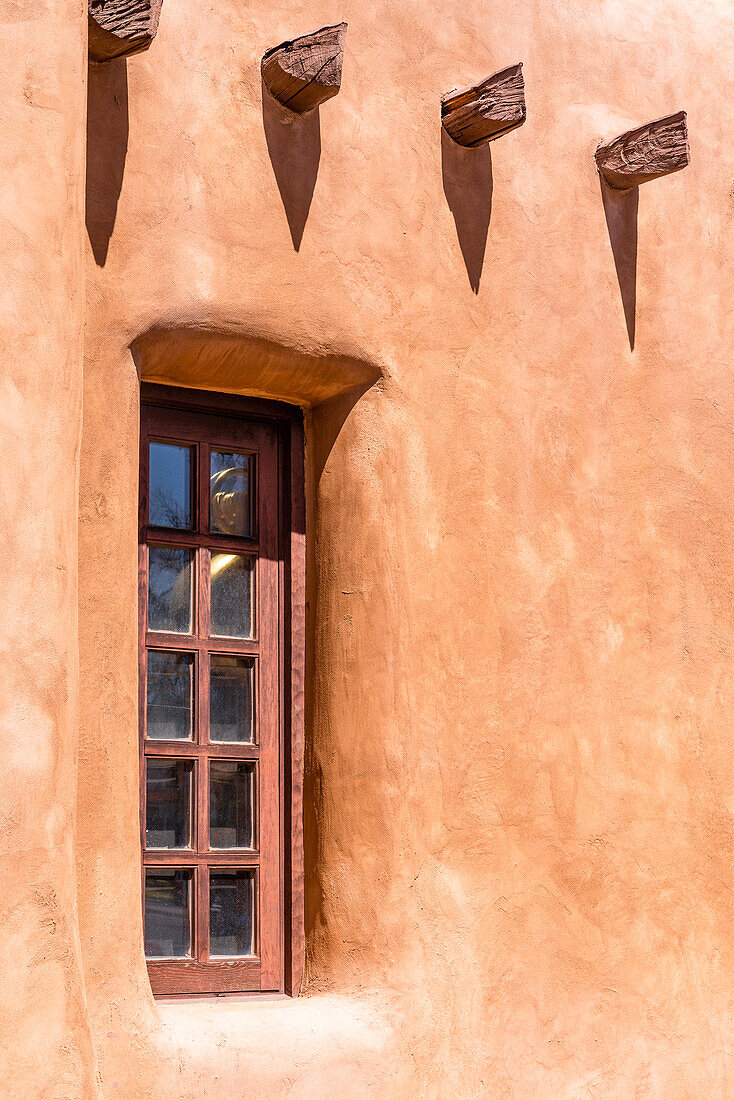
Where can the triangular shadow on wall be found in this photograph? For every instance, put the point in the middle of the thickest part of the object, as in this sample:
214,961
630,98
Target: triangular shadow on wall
294,147
467,185
620,211
107,134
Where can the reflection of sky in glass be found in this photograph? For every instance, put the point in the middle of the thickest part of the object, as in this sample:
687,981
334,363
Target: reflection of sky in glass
169,584
230,493
170,486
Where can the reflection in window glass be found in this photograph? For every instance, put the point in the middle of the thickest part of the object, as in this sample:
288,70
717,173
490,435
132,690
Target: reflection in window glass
169,589
169,501
230,804
231,595
231,698
169,702
229,493
167,913
231,912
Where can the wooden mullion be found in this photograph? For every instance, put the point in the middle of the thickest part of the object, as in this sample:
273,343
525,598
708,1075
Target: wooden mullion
231,858
203,804
205,602
226,750
196,702
188,643
233,750
202,911
234,647
181,643
189,540
203,488
172,857
186,750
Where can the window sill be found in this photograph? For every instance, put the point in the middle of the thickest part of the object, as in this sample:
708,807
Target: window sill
277,1040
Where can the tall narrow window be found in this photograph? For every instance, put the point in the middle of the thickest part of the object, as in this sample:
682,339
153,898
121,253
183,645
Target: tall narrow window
212,615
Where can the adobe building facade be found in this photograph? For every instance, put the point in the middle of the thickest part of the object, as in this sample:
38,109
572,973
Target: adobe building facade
518,765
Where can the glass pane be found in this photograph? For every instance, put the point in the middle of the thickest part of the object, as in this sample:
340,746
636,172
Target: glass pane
169,590
169,477
169,696
229,493
232,595
167,913
231,912
230,804
231,698
167,803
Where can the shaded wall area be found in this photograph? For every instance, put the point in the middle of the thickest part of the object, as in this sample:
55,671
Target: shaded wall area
519,767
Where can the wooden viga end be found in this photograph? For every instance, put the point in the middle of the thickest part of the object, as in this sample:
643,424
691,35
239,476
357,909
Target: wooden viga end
304,73
646,153
486,111
119,28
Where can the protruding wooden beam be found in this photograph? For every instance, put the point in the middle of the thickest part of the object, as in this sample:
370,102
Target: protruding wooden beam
118,28
476,115
306,72
650,151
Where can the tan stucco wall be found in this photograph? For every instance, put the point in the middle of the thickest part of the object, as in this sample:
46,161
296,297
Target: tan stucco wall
45,1041
520,773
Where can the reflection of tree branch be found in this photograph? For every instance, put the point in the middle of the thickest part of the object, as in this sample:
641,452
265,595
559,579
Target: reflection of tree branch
174,513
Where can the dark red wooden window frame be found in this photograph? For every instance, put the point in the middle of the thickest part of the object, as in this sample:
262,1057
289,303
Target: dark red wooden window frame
180,408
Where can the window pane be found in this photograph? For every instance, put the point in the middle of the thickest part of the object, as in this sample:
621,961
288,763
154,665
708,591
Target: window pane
230,804
169,590
169,696
231,698
231,912
167,913
169,500
229,493
232,595
168,803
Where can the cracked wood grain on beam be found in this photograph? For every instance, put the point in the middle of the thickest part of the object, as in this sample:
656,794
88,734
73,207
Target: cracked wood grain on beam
646,153
119,28
486,111
306,72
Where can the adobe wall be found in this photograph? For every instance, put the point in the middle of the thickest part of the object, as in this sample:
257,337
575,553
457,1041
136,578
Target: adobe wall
45,1041
520,781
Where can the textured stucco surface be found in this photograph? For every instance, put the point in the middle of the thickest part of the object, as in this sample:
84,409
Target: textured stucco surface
45,1042
520,772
